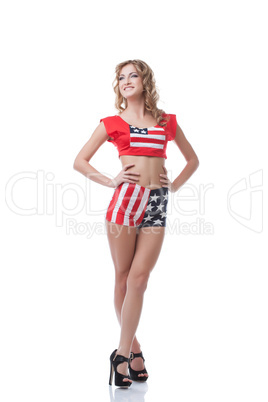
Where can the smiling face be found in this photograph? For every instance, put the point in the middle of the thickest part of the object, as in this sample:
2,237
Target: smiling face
130,82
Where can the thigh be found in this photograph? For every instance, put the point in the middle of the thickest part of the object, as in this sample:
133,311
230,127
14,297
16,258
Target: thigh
148,247
122,242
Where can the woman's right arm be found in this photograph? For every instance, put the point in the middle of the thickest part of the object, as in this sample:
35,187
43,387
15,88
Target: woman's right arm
81,163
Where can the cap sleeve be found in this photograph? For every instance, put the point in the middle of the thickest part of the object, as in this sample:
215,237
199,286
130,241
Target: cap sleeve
172,127
110,127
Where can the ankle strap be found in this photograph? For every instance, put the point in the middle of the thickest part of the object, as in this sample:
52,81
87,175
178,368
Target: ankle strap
134,355
118,359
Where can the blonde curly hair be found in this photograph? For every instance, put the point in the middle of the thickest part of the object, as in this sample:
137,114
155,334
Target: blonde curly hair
151,95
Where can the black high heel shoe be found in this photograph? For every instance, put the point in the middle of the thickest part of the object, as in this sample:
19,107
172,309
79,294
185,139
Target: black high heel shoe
115,361
134,374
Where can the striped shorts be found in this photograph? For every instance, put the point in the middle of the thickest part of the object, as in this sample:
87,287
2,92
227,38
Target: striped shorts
134,205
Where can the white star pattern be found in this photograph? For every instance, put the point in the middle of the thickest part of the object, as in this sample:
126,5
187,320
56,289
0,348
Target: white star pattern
148,218
149,207
156,210
158,222
160,207
154,197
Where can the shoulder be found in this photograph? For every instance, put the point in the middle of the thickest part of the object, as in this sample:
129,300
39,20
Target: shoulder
110,122
112,125
171,120
169,116
171,126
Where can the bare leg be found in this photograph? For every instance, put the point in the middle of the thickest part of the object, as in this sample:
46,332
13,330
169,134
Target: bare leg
148,246
122,242
119,297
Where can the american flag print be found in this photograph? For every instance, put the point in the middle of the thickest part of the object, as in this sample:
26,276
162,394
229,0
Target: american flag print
128,204
132,140
152,137
134,205
156,211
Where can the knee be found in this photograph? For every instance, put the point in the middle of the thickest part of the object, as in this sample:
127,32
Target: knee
121,282
138,282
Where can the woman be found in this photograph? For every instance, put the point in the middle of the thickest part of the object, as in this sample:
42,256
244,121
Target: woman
136,216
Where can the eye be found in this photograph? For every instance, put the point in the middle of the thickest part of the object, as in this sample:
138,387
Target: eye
133,75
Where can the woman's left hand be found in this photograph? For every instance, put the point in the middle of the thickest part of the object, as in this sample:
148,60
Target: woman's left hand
165,180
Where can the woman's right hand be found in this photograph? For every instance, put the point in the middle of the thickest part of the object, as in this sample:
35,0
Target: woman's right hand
125,177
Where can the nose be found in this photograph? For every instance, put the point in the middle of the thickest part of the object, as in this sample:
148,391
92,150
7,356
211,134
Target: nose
126,81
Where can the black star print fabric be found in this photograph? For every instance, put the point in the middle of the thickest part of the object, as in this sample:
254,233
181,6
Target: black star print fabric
156,211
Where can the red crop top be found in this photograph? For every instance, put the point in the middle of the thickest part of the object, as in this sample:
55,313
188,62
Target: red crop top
130,140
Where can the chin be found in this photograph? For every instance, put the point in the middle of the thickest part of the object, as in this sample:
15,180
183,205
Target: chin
133,94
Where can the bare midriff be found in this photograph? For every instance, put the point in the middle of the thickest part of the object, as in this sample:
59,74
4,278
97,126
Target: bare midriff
149,168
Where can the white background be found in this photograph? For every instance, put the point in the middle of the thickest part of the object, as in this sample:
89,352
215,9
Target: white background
203,329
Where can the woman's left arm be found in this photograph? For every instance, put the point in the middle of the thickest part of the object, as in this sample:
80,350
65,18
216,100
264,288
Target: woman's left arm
191,166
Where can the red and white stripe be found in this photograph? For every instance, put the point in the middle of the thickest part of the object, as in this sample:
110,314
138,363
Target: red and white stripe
128,204
154,139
